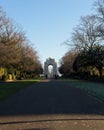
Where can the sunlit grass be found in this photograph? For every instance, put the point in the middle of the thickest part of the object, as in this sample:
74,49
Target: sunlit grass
9,88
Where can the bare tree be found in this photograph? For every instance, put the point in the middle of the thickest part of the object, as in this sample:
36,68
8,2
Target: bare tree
85,36
15,49
99,7
66,63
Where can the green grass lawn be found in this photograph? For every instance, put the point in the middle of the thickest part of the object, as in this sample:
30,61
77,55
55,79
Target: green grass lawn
92,88
9,88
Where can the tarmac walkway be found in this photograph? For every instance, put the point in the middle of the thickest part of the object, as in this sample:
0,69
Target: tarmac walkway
51,105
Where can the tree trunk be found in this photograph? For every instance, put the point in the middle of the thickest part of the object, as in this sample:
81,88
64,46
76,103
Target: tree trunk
100,72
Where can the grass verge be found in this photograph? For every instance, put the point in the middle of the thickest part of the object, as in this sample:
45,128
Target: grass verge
92,88
9,88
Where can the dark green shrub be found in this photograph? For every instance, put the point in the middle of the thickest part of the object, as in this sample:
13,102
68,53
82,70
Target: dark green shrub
4,77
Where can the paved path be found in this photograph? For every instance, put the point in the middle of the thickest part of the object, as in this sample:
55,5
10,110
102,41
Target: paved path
53,105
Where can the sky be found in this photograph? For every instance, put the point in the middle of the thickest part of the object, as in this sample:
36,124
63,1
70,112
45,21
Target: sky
48,23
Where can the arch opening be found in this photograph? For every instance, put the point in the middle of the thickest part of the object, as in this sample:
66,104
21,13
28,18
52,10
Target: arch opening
50,71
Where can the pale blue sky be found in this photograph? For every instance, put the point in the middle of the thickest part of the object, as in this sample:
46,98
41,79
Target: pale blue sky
47,23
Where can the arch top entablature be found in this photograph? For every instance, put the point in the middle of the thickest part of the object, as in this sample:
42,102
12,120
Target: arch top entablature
50,61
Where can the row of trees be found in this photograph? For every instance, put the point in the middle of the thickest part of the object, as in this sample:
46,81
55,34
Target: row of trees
87,53
17,57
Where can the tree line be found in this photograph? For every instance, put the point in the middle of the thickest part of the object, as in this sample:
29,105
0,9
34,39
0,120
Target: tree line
86,58
18,59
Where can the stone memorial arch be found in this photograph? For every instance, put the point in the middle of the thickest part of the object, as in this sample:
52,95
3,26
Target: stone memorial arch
48,62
